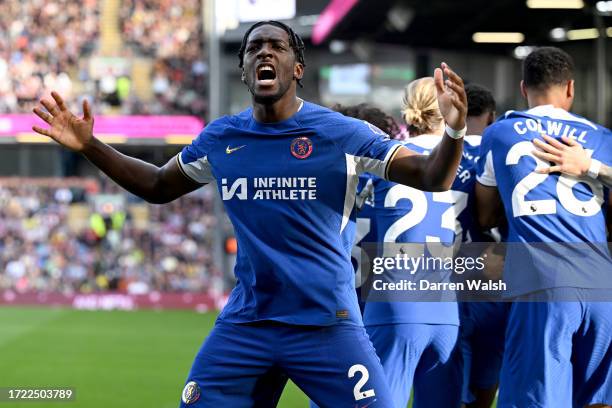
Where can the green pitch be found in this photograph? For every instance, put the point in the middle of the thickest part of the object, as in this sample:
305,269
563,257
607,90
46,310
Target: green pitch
111,359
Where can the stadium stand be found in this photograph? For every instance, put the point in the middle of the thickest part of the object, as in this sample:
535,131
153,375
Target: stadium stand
41,43
125,56
81,235
169,34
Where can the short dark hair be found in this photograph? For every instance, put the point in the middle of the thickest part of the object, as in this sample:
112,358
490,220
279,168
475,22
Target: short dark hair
480,100
295,42
372,115
546,67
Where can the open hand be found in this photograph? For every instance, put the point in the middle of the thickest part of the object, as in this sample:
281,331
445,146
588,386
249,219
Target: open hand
569,157
65,128
452,99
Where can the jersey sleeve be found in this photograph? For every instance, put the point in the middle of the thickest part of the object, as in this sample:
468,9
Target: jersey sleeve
485,172
368,147
193,159
604,152
365,190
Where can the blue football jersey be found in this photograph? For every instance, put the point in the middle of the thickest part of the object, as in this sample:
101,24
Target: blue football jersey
403,214
289,189
543,208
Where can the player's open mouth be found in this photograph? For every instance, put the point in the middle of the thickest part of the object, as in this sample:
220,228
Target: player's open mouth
266,74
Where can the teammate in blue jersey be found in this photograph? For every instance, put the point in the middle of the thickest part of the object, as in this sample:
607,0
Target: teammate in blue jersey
287,171
418,341
364,228
557,353
482,323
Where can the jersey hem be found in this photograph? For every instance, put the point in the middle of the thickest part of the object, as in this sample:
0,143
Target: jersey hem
486,182
289,322
402,322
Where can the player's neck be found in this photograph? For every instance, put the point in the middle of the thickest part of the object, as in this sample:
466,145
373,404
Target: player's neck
435,131
554,98
278,111
476,125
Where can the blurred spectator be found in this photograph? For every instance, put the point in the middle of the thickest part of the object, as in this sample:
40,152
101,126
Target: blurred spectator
47,45
170,31
40,252
41,42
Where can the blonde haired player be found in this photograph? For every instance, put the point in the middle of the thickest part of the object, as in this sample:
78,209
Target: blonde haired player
418,342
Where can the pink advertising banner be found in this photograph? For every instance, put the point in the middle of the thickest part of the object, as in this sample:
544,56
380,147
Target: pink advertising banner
335,11
201,302
144,127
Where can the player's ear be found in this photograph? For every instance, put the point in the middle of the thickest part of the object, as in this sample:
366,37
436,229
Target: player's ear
298,71
523,89
243,77
570,89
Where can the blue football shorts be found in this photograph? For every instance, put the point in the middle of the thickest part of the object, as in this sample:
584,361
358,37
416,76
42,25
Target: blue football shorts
247,365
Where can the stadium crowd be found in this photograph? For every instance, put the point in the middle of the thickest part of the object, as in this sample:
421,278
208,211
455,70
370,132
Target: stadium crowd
170,32
40,251
41,43
46,45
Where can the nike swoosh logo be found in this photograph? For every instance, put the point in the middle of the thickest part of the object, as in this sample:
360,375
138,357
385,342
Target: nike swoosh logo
229,150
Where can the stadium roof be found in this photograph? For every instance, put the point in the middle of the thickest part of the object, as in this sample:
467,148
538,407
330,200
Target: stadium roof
452,23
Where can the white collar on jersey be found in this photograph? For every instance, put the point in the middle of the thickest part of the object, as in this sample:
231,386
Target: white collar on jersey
430,141
301,104
424,141
473,140
557,113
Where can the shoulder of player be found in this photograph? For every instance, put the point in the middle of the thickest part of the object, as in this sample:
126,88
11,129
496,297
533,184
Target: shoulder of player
422,143
218,127
500,127
322,116
327,119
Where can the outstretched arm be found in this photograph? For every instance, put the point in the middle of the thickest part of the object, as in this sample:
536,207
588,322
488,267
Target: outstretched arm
152,183
437,171
570,158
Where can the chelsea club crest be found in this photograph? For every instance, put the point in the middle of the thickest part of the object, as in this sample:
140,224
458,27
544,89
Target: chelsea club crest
301,147
191,393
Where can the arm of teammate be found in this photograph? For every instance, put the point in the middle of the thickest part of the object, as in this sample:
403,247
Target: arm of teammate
569,158
489,207
153,184
436,172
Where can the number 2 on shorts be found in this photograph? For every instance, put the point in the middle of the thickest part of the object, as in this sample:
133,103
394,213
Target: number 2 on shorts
365,376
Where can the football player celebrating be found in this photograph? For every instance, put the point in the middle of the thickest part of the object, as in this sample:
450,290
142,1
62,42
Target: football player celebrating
418,342
287,171
557,353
